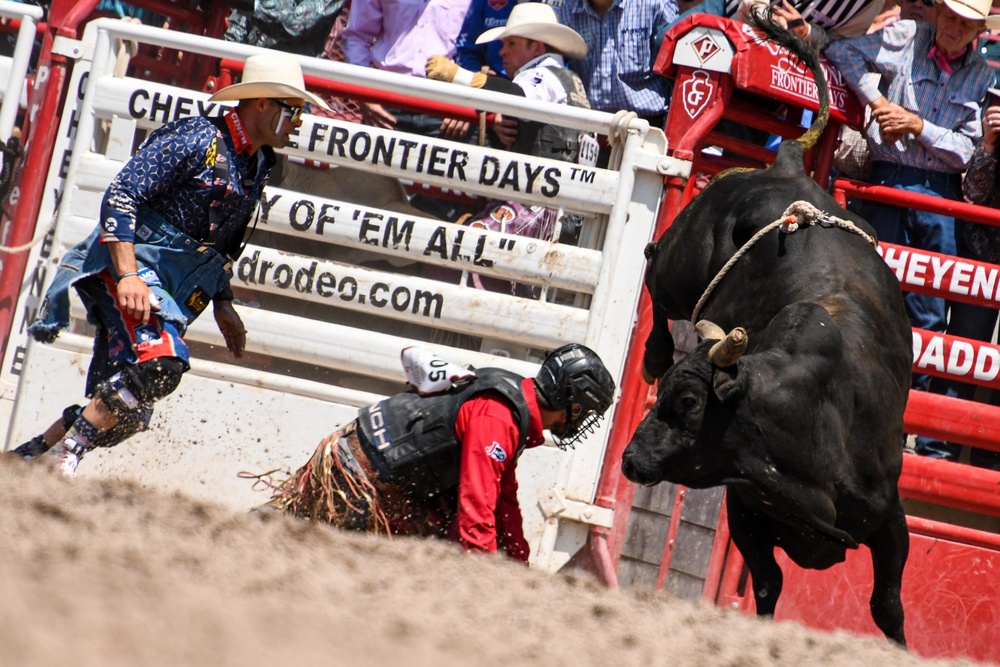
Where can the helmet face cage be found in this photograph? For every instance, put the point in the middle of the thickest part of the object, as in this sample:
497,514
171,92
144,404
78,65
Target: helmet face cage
573,379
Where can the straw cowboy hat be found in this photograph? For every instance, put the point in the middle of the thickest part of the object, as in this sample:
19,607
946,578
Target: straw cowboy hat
273,74
975,10
534,20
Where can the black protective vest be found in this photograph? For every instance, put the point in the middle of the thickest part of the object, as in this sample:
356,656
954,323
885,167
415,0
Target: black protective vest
550,141
410,439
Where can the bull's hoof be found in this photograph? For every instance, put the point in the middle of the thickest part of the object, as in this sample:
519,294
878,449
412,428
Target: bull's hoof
649,379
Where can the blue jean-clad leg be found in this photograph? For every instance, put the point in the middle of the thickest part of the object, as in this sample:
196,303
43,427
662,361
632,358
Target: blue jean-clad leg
967,321
936,233
917,229
924,231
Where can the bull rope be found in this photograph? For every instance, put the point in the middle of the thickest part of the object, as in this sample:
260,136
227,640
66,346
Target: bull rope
798,213
39,237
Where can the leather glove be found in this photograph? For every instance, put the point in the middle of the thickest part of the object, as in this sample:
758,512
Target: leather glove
440,68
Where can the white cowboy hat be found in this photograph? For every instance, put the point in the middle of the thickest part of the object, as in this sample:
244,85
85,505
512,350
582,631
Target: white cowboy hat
975,10
273,74
535,20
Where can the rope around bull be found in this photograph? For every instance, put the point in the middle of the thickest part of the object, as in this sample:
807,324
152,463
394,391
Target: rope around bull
798,213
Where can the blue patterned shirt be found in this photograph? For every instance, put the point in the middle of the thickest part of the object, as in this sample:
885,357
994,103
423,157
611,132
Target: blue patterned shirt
949,104
618,68
172,173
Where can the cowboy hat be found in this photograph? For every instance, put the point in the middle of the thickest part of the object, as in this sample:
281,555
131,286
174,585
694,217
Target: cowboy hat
975,10
535,20
273,74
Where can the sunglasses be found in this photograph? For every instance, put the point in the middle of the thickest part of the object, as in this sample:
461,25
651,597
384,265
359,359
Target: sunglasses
925,3
295,113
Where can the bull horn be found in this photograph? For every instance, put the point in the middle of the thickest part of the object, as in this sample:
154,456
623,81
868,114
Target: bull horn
708,330
729,350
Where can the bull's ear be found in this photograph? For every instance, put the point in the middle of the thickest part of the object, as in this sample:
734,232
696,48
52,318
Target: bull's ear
727,383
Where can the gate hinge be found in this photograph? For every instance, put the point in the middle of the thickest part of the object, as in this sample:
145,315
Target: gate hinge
664,165
555,504
65,46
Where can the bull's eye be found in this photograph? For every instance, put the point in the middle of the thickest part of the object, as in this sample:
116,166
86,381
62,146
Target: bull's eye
689,402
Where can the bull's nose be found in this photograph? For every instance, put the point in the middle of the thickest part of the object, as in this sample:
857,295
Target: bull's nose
628,469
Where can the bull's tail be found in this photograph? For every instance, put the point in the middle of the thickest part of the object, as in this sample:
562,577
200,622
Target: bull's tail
761,19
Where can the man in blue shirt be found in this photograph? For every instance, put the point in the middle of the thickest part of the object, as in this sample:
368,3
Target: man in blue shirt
926,124
172,223
483,15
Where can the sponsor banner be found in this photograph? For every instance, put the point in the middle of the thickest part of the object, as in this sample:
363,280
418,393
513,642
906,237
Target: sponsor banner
704,48
772,71
943,275
40,266
407,298
960,358
497,174
431,241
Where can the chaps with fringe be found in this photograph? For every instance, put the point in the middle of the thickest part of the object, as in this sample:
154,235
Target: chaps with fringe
333,488
339,486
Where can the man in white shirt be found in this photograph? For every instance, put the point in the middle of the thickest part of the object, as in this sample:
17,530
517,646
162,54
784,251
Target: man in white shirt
534,46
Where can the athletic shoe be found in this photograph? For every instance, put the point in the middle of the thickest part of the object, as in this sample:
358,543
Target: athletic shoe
29,450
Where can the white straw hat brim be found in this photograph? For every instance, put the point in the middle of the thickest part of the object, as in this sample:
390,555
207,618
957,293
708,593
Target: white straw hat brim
254,89
562,38
273,74
967,12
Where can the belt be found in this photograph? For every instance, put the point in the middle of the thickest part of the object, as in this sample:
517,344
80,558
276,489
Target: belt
912,172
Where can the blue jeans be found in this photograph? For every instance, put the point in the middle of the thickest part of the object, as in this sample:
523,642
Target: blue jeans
916,229
182,272
977,323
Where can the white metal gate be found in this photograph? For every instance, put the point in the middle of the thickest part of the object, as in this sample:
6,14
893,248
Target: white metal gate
331,291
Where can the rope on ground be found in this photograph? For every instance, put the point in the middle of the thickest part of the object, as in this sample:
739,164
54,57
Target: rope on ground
797,214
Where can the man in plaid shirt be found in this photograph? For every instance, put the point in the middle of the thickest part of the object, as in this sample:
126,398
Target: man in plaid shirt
621,38
925,108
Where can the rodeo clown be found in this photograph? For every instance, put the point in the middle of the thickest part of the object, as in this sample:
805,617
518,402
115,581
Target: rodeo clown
172,223
440,459
534,46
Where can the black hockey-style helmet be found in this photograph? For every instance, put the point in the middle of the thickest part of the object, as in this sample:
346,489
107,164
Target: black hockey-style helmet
573,379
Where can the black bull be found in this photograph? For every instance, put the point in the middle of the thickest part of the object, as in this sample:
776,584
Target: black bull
806,429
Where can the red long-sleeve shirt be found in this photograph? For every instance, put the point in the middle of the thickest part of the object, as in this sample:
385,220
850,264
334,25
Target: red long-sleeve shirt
488,512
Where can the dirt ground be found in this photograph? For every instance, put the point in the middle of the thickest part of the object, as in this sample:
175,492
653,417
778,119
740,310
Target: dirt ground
103,572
